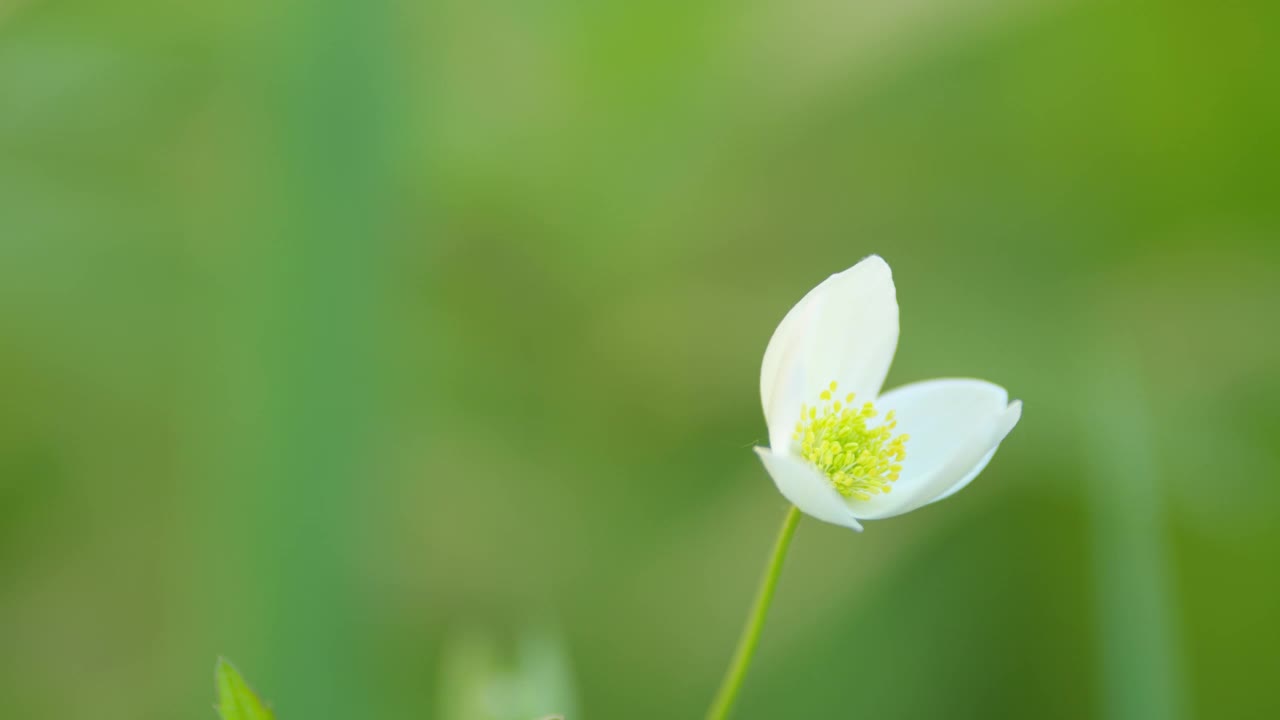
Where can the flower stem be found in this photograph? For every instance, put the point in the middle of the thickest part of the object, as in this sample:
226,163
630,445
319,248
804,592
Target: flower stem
737,671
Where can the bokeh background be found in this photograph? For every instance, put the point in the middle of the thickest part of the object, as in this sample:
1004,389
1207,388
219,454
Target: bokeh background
408,354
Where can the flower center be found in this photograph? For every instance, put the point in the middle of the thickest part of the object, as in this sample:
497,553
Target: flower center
858,460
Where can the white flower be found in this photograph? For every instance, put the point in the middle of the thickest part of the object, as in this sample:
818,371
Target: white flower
839,450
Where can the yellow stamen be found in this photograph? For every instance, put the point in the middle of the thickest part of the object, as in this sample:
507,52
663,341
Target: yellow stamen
860,461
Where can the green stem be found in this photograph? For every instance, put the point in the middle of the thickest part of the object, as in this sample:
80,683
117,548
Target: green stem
737,671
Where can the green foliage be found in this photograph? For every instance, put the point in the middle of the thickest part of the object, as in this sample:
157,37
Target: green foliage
236,700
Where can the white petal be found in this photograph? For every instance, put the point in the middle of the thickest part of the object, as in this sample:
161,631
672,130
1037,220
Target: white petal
955,428
807,488
963,465
982,464
845,329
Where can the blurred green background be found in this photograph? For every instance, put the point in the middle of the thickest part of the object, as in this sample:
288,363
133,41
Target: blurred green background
408,354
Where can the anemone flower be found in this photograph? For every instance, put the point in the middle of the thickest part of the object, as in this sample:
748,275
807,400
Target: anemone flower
838,449
841,451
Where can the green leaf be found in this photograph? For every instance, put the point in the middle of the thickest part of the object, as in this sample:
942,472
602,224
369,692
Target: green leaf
236,700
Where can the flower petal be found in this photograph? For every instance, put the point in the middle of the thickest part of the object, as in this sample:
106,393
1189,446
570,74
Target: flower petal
982,464
963,465
955,427
807,489
845,329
